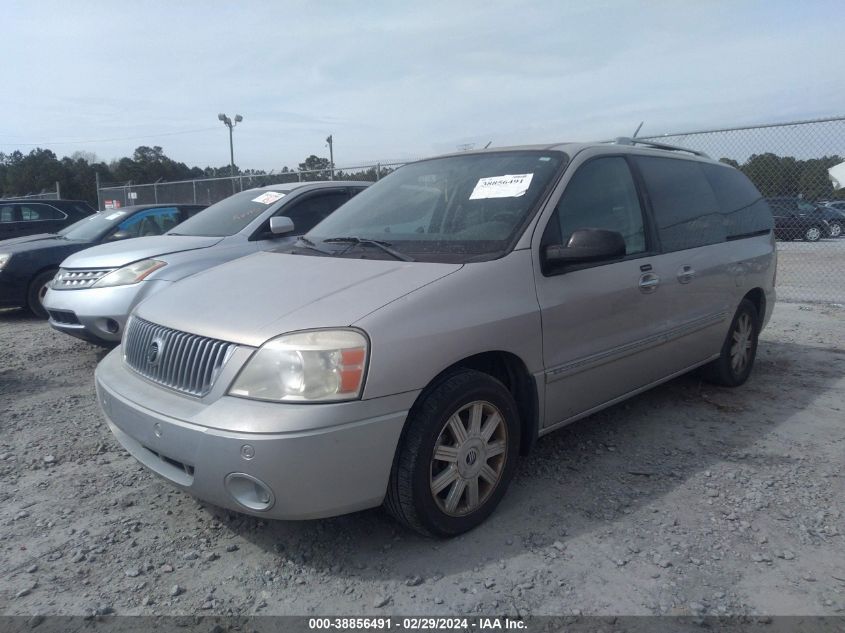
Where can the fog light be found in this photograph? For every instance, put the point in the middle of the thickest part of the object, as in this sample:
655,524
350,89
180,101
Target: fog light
112,326
249,491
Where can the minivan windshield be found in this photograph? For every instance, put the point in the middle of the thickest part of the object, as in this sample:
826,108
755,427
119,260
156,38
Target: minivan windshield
453,209
230,215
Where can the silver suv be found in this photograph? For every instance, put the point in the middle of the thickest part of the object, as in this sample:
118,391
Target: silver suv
95,289
413,345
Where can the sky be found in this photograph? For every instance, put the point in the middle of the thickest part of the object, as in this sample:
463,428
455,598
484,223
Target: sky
395,80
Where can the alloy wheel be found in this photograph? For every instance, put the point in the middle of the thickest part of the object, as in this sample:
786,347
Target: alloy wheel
742,343
813,234
835,230
469,458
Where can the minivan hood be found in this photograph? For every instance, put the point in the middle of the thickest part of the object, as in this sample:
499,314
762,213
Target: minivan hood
257,297
116,254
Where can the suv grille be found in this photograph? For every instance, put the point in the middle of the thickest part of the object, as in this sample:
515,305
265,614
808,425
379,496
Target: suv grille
76,278
178,360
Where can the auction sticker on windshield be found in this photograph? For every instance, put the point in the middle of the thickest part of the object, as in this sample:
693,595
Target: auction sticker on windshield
269,197
508,186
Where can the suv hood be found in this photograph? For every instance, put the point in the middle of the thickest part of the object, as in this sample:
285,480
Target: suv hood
12,241
116,254
252,299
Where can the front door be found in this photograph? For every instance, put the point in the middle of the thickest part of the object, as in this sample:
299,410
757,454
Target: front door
602,322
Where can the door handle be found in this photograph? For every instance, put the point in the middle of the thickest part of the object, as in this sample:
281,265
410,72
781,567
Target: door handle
649,282
686,274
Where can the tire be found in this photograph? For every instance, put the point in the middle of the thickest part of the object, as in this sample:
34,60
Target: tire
724,370
454,509
813,233
835,229
37,289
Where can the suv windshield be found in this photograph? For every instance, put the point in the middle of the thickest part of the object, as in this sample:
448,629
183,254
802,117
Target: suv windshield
231,215
452,209
93,226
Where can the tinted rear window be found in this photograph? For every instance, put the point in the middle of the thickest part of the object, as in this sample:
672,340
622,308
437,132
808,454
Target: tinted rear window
685,207
744,210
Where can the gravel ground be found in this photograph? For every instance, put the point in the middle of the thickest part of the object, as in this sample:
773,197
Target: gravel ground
688,499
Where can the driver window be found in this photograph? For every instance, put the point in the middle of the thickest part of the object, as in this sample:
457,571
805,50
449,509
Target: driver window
601,195
146,223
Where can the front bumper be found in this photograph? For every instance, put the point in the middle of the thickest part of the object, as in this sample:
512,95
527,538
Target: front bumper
319,460
97,315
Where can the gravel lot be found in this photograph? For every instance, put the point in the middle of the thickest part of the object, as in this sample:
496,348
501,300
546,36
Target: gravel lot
687,499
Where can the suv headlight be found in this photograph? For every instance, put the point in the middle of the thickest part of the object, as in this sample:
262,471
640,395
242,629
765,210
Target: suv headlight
310,366
4,259
131,274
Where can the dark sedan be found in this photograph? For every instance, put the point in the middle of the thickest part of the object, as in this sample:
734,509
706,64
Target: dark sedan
796,219
19,218
27,264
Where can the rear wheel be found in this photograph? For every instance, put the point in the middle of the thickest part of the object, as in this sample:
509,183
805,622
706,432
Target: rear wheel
812,234
457,455
739,350
835,229
37,290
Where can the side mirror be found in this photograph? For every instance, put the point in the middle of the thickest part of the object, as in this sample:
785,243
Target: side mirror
119,235
281,225
586,245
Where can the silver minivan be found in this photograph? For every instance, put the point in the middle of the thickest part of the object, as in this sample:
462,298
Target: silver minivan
412,346
95,289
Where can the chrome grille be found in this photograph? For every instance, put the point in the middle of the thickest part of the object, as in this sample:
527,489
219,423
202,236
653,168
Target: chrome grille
76,278
178,360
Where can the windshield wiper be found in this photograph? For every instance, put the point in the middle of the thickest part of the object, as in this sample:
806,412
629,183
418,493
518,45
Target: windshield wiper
362,241
304,242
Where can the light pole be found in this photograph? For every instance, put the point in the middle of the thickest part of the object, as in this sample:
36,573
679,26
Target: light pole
331,156
229,123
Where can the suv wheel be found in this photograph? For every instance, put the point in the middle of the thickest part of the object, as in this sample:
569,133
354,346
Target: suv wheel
457,455
37,290
835,229
739,350
812,234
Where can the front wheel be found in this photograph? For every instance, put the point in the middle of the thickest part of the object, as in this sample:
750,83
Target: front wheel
457,455
739,350
37,290
812,234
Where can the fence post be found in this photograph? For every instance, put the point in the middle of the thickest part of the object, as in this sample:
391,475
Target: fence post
58,190
241,177
194,183
97,185
155,192
378,171
299,175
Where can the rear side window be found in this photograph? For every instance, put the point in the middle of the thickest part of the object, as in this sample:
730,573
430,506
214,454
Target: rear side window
744,211
31,212
686,210
7,213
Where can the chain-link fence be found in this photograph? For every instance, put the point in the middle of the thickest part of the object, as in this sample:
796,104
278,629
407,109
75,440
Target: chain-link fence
789,162
54,194
211,190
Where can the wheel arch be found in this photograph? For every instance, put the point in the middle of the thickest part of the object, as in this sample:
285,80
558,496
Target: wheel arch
758,297
511,371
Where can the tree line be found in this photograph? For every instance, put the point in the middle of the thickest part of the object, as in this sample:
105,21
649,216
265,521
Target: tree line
40,169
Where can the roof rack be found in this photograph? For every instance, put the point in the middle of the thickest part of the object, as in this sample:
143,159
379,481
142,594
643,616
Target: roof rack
624,140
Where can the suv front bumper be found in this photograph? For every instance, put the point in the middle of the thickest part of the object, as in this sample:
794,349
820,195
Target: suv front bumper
325,459
97,315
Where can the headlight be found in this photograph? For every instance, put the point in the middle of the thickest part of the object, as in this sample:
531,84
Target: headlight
4,259
312,366
131,274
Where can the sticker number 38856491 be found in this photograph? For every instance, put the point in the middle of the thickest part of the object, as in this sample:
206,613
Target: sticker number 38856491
508,186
